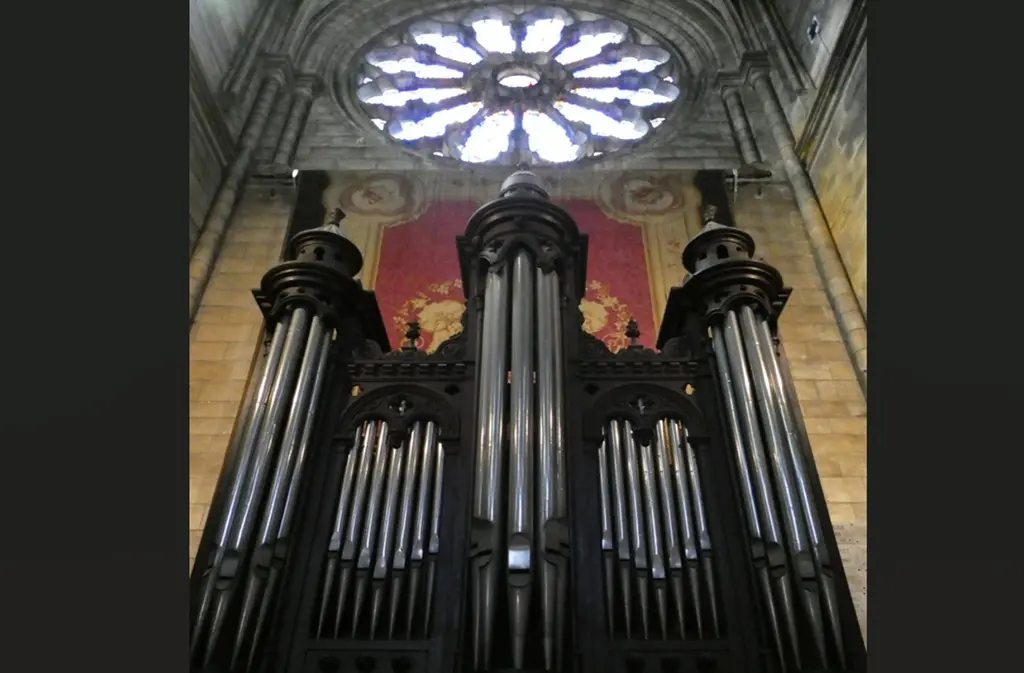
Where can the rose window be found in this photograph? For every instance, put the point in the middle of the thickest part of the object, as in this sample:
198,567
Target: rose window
546,85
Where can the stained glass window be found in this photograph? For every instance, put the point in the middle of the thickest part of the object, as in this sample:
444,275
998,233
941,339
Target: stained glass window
493,85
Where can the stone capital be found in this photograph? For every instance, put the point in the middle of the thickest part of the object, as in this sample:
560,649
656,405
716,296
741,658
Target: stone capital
753,62
307,85
728,81
276,66
760,74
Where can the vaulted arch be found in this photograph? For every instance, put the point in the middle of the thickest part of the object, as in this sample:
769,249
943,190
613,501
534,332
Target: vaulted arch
338,31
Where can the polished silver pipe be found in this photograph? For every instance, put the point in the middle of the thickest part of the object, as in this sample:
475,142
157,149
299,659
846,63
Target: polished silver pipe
521,454
669,515
798,457
422,435
782,470
607,534
390,517
303,403
276,414
422,522
748,496
561,478
687,524
295,482
546,468
253,493
703,534
407,515
251,429
636,514
388,520
489,459
244,446
435,537
654,535
775,545
620,518
420,531
338,529
374,444
739,445
299,417
372,528
291,500
487,465
434,544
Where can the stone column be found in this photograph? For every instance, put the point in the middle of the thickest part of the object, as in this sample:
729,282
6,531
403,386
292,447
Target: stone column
289,42
753,166
265,149
302,101
212,237
239,77
830,266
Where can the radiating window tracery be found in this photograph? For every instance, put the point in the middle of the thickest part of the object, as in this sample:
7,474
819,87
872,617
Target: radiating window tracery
492,85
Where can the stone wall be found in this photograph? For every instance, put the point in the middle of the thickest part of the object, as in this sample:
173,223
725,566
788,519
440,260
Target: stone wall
793,21
797,17
205,167
209,147
833,145
839,171
223,340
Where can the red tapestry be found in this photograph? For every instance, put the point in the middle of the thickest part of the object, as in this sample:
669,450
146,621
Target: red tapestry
418,275
618,285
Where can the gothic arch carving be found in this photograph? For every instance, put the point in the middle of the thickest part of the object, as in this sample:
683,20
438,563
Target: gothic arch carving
643,404
400,406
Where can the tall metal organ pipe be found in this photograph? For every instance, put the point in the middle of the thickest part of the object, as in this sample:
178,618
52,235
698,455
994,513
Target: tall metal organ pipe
795,573
252,530
492,392
385,529
695,516
520,386
550,464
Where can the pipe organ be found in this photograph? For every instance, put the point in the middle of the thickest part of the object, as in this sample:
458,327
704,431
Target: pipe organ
521,499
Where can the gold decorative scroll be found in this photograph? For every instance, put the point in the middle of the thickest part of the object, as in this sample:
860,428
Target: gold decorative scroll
438,310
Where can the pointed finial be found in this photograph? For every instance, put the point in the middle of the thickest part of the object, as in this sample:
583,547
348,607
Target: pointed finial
633,333
412,335
333,224
524,183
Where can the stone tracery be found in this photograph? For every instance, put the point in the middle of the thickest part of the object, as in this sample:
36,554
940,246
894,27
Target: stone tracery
493,85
